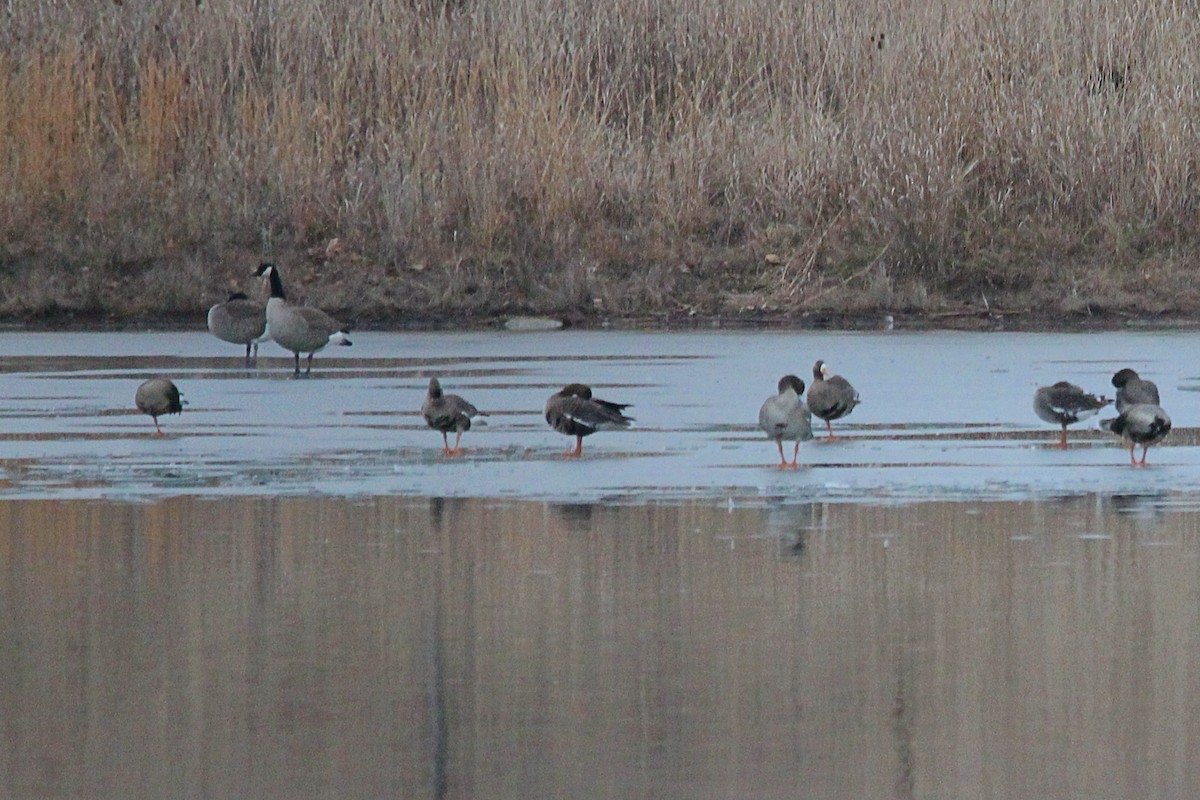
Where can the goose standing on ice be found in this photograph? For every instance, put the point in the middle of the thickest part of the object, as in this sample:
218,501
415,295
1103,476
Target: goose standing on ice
573,411
239,320
448,412
156,397
1064,404
1140,423
830,398
296,328
784,416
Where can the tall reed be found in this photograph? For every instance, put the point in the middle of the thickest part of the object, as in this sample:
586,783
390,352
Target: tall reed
633,155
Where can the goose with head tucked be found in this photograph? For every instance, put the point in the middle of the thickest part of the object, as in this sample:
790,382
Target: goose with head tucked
448,412
573,411
239,320
297,328
1141,423
830,397
1065,404
158,397
1133,390
785,416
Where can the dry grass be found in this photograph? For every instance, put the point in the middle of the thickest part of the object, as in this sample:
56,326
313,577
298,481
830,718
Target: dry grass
635,156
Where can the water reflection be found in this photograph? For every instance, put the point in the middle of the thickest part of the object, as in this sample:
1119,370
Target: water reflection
383,647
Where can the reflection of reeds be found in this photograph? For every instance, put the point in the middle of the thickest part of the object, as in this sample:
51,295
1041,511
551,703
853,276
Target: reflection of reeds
620,155
470,648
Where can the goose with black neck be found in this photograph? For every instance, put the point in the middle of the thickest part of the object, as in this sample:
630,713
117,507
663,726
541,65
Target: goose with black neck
297,328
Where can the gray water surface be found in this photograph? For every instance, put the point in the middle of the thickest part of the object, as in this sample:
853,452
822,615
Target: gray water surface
323,647
944,414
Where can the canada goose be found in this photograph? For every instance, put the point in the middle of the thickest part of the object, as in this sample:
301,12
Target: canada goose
830,398
784,416
573,411
1065,403
156,397
1133,390
296,328
239,320
448,412
1140,423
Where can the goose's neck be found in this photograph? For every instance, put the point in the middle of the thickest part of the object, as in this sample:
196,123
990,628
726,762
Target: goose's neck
276,285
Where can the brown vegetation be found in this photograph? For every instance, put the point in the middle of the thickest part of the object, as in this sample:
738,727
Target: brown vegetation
417,157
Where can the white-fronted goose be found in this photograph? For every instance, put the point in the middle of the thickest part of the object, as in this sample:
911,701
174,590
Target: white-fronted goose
784,416
573,411
830,398
239,320
448,412
1133,390
156,397
1141,423
1064,404
296,328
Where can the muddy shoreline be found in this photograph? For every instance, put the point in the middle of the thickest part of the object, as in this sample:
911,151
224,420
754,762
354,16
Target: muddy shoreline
964,319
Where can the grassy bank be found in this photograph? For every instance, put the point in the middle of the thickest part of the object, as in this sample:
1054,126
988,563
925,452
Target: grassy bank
404,157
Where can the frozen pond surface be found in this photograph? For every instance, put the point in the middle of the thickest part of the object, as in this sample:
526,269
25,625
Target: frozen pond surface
944,415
